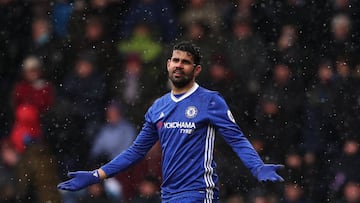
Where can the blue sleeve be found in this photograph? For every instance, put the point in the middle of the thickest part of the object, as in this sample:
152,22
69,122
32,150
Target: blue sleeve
142,144
222,119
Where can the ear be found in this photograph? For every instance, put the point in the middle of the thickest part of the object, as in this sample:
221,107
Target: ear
168,64
197,70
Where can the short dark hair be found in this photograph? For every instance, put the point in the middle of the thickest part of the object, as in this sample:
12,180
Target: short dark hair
191,49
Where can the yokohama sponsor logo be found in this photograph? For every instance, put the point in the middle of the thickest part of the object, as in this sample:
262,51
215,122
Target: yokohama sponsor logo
177,124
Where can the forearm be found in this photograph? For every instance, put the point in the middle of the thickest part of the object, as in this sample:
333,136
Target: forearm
143,143
248,155
120,163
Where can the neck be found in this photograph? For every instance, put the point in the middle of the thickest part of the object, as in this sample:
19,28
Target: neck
182,90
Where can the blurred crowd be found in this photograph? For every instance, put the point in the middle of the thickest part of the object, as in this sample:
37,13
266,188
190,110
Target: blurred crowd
77,76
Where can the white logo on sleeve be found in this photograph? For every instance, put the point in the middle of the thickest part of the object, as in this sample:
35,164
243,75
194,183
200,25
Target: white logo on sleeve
95,173
231,117
191,112
161,115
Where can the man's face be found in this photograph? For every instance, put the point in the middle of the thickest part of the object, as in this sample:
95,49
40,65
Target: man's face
181,68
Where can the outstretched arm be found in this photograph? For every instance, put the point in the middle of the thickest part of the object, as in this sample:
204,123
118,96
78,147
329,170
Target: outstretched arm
222,119
142,144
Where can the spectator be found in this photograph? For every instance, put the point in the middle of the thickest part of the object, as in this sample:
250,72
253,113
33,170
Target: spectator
351,103
84,89
343,165
62,11
81,105
236,198
115,136
280,99
344,95
351,193
96,194
348,7
9,158
37,175
141,42
294,167
201,11
26,126
47,49
286,49
134,86
319,132
14,40
148,191
246,53
261,14
341,40
201,34
96,39
294,12
33,89
314,179
219,76
294,193
110,11
258,196
157,14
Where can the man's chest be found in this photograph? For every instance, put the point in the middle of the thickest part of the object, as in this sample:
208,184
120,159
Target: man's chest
182,119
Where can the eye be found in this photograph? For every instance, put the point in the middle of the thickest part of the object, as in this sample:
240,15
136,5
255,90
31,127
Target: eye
175,60
186,62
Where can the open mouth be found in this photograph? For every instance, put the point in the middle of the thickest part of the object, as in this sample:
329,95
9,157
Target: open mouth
178,73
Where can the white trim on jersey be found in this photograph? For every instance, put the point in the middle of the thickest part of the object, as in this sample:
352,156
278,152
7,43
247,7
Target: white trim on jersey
209,171
188,93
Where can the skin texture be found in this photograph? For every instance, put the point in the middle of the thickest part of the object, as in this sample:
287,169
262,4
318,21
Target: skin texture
182,72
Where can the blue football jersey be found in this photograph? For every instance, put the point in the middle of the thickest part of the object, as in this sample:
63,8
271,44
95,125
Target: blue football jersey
186,128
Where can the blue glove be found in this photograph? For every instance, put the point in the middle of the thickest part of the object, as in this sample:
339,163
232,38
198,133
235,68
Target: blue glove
80,180
267,172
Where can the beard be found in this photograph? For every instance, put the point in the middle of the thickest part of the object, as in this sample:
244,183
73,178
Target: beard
183,80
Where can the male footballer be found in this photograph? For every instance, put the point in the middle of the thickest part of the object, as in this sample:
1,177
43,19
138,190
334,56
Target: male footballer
185,121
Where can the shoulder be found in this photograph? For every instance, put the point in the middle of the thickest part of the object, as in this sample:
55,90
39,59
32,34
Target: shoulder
165,99
213,99
207,94
159,104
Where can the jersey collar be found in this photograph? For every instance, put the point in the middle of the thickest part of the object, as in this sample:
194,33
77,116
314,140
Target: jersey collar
188,93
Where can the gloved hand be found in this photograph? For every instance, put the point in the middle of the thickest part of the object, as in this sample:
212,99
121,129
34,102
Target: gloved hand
80,180
267,172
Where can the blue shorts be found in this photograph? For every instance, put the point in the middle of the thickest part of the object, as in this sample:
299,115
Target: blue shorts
190,200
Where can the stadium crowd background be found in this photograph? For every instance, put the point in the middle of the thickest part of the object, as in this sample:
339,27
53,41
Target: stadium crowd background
76,78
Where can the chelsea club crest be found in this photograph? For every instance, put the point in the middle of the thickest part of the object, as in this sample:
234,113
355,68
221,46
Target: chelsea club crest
191,112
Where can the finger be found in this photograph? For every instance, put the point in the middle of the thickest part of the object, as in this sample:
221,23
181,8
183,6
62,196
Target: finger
273,179
65,183
279,178
267,180
279,166
62,186
72,174
67,186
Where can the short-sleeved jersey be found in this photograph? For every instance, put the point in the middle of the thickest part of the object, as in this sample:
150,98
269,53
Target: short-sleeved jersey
186,128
